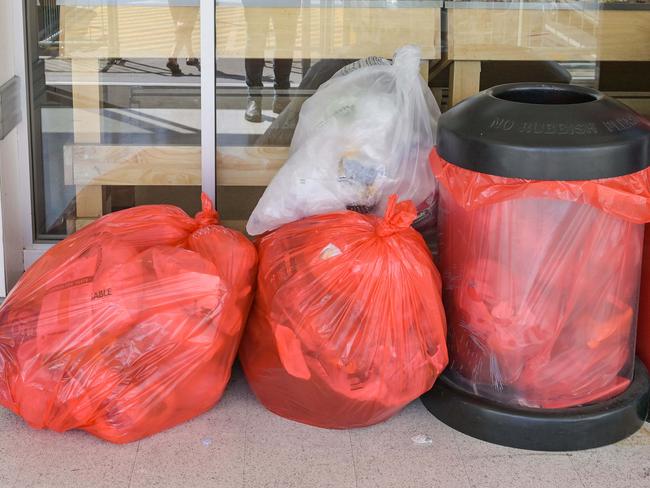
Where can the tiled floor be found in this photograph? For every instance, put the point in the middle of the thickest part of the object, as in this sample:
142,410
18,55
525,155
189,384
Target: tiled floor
239,444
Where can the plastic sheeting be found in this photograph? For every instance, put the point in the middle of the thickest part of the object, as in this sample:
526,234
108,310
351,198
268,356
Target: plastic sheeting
364,135
541,283
129,326
348,325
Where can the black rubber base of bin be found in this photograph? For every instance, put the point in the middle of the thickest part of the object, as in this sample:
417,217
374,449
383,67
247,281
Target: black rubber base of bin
568,429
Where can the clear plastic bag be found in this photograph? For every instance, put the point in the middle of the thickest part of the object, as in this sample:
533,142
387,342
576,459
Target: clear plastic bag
364,134
541,283
348,325
128,327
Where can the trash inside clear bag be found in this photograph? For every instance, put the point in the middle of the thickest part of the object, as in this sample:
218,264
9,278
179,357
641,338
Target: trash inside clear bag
364,135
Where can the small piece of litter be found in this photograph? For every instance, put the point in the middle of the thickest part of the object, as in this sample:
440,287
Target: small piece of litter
422,440
207,441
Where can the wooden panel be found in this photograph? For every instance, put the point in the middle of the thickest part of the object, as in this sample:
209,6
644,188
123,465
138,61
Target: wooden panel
136,165
86,120
170,165
330,32
86,100
560,35
89,201
74,225
113,31
465,80
249,166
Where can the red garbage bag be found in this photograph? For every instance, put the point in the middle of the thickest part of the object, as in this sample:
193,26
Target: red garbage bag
541,283
128,327
348,325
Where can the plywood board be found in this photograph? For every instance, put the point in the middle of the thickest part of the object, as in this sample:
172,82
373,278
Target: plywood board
559,35
114,31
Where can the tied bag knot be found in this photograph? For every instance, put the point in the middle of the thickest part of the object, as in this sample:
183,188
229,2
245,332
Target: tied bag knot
208,215
398,216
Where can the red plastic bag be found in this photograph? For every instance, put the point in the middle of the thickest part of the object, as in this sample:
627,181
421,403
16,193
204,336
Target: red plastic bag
128,327
541,283
348,325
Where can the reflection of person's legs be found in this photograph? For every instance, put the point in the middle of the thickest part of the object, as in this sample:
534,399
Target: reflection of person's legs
254,70
284,28
185,19
257,29
282,85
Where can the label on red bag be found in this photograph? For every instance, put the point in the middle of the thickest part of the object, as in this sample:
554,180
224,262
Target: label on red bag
107,292
330,251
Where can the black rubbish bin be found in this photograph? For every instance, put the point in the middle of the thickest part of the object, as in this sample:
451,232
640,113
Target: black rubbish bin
544,193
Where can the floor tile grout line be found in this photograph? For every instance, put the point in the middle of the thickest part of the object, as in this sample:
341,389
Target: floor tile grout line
135,460
462,462
247,415
354,460
19,471
575,470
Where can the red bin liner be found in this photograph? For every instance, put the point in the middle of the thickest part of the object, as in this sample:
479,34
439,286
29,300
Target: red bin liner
128,327
541,283
348,325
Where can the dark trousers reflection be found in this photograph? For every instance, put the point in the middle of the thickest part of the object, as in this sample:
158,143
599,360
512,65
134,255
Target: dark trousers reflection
258,23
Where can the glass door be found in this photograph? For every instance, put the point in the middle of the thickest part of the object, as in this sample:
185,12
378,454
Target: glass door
148,101
115,94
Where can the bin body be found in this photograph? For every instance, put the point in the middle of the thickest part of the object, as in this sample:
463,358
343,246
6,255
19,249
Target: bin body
643,329
541,298
544,193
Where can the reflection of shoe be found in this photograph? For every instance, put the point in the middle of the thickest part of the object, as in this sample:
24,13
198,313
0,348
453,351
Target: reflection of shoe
280,103
254,109
174,68
194,62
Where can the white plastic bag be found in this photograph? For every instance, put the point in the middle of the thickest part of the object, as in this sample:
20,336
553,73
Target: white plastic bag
364,135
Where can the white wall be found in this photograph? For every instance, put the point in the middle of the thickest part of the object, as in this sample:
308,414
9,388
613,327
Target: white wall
12,156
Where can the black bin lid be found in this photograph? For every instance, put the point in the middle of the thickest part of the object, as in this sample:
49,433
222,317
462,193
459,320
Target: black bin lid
544,131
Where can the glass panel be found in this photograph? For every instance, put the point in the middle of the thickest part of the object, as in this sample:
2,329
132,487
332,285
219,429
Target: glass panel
498,42
273,54
115,93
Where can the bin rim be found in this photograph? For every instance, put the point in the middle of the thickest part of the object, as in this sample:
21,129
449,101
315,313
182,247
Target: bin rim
545,131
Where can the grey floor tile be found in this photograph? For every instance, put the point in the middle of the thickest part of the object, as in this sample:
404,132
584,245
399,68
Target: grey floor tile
75,460
231,413
15,438
206,451
190,457
413,420
624,465
524,471
314,458
265,421
406,466
385,454
239,444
